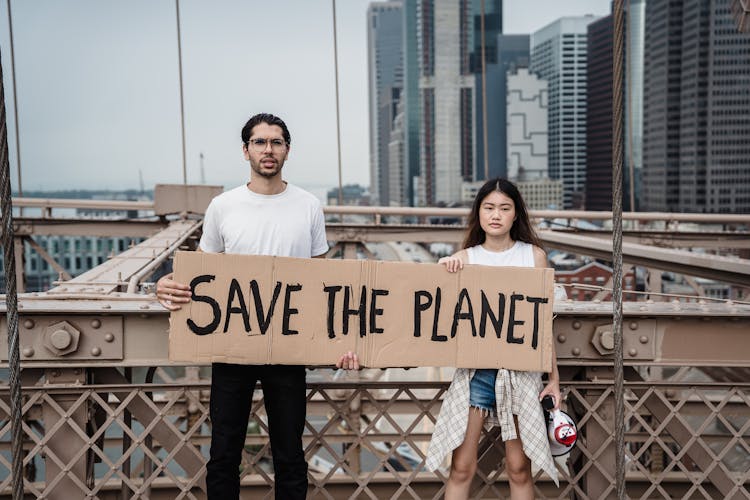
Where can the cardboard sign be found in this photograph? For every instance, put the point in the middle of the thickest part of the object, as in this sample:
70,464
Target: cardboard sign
282,310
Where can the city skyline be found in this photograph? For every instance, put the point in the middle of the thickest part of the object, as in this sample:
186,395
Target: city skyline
106,93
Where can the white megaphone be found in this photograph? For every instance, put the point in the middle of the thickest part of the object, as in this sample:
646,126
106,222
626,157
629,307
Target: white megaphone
561,429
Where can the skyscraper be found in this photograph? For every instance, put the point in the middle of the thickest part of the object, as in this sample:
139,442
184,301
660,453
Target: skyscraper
385,64
558,54
696,156
634,58
598,188
410,100
599,115
512,53
449,54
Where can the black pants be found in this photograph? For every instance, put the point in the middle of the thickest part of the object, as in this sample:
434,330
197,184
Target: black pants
284,391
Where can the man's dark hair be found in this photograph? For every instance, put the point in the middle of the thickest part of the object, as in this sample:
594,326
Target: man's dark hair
268,118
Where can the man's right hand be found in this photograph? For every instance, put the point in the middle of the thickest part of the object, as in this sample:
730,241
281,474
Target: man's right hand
170,293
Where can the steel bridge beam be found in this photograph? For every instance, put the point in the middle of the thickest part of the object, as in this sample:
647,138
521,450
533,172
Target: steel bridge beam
725,269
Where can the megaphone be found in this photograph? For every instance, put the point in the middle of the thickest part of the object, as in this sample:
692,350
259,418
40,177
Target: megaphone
561,429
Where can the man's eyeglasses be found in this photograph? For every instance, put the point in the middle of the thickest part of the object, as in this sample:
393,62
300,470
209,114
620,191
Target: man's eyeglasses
259,145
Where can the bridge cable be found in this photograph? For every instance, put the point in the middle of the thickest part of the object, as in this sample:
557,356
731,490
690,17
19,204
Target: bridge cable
182,95
15,102
485,146
338,119
617,159
11,299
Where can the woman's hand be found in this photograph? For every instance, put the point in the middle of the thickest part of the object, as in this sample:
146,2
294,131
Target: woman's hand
453,263
553,389
171,293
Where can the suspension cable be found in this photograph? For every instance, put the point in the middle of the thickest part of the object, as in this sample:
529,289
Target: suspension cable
182,97
338,119
15,102
11,299
484,100
617,158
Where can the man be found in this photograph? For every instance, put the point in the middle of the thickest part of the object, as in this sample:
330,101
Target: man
266,216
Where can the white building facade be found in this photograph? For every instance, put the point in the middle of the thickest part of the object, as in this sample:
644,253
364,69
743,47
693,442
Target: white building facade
526,126
559,55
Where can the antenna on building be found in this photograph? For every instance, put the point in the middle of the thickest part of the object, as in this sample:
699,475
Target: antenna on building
203,172
140,180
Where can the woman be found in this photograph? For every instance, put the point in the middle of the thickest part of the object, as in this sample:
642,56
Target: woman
499,234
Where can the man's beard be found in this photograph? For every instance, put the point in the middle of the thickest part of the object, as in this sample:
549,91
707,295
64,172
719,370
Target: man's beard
267,173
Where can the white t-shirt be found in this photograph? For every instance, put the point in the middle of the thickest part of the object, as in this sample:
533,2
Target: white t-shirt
521,254
288,224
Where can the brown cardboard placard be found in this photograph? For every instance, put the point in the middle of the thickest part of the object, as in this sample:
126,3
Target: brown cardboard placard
282,310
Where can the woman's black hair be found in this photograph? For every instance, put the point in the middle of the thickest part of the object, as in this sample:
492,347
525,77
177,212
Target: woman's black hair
522,230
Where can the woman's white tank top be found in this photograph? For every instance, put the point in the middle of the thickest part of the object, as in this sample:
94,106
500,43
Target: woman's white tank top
519,255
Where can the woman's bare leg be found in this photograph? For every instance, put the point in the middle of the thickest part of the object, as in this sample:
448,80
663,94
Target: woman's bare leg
518,468
464,463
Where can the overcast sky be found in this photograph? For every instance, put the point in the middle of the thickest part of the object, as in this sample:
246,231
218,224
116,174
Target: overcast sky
98,90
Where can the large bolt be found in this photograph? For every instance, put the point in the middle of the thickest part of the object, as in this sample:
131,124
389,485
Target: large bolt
95,323
28,324
109,337
28,352
576,325
608,340
95,351
60,339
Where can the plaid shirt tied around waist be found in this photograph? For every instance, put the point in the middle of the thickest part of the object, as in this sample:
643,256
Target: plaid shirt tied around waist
516,393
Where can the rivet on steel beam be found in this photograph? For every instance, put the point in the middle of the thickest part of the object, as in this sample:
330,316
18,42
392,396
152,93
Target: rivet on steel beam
28,324
95,323
576,325
643,339
109,337
106,306
28,352
576,351
95,351
632,352
633,325
562,338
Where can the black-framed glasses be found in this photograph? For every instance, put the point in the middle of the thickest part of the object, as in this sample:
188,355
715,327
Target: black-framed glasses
259,145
